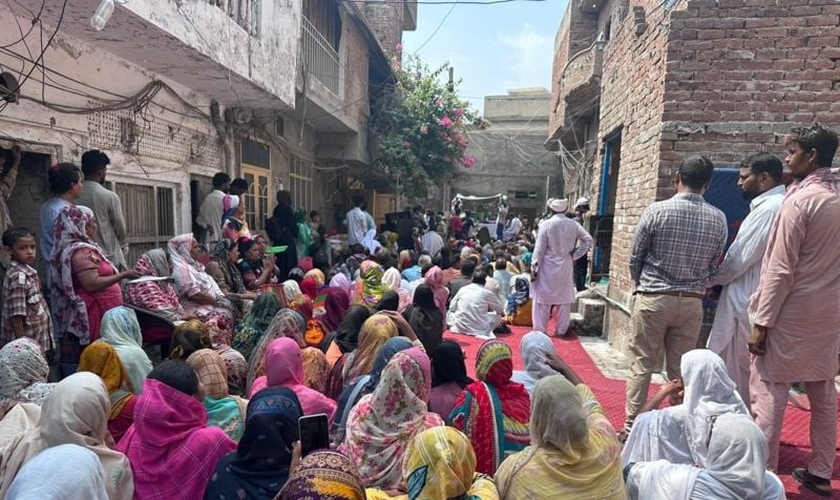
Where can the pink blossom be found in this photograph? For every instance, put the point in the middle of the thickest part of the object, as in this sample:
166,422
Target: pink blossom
399,46
458,112
469,161
424,129
406,144
439,101
445,121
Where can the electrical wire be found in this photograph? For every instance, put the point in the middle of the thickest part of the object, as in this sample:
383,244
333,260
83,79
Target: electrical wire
35,20
443,20
44,48
447,2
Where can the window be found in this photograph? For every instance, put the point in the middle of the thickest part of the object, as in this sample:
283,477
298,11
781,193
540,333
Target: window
256,170
324,16
148,228
257,209
300,181
279,125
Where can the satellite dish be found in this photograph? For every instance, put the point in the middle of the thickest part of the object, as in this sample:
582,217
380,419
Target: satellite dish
9,87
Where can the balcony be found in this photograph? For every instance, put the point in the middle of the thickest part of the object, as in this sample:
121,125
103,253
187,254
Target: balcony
320,59
246,13
580,84
242,52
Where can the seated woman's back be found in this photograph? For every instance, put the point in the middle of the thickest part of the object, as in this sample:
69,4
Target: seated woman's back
574,452
493,411
440,464
737,456
171,449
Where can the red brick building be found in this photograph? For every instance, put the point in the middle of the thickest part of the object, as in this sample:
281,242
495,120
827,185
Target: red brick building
637,86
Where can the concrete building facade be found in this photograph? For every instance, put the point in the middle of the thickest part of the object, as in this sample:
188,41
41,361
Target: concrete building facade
509,155
173,92
637,88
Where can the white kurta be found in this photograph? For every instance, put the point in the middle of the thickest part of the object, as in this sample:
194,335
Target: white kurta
740,273
357,226
210,215
474,310
553,260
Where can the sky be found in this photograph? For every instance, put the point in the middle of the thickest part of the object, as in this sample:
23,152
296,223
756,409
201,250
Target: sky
493,48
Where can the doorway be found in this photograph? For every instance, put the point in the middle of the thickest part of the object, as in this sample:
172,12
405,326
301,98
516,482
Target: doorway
602,223
30,192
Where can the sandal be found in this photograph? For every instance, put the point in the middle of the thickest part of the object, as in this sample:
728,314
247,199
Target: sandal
818,485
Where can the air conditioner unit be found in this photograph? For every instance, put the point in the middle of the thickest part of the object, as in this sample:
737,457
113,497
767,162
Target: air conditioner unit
242,115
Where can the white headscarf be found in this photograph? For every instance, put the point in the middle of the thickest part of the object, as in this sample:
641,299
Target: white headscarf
370,243
678,433
392,278
76,412
73,471
189,274
291,289
708,392
737,456
534,346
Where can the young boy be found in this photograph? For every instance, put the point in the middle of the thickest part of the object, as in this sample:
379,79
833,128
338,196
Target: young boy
25,312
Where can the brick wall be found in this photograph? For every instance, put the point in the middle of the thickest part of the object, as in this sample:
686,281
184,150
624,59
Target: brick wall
741,74
385,20
723,78
632,92
577,32
356,73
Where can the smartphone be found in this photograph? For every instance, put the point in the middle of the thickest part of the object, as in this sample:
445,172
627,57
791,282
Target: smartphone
314,433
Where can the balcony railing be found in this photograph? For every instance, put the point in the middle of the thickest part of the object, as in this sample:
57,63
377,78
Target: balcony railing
319,57
583,67
246,13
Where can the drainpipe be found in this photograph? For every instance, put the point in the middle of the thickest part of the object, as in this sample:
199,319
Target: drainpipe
224,138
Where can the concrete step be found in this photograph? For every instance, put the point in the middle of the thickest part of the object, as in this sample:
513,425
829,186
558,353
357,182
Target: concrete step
589,318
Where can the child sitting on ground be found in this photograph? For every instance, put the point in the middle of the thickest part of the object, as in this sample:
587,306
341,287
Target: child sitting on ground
25,312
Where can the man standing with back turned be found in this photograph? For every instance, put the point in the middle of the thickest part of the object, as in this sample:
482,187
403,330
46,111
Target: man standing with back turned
106,207
676,249
795,313
760,180
552,268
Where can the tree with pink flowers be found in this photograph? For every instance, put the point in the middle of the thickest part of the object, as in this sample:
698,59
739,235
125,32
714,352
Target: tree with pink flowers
418,128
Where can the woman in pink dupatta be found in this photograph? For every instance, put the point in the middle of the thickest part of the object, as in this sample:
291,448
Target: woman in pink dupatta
172,451
84,282
382,424
434,278
284,368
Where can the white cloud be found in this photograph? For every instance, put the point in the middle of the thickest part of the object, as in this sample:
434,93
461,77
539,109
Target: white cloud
529,57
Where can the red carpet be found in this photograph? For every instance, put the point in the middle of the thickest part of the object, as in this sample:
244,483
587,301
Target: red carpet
610,392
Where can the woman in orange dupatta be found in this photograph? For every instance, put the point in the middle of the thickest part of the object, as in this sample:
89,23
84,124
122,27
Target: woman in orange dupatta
101,359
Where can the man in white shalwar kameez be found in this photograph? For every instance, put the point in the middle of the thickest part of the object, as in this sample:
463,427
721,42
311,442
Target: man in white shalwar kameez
475,310
552,266
760,179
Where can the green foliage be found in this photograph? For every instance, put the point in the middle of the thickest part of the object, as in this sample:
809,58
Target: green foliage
418,128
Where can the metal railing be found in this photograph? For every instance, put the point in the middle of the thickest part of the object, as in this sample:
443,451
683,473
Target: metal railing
320,59
246,13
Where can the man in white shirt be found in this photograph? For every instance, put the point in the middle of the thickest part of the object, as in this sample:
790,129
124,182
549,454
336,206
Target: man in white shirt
106,207
552,266
475,310
431,242
357,222
211,211
760,179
